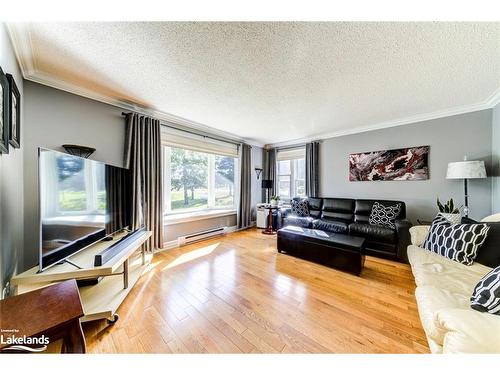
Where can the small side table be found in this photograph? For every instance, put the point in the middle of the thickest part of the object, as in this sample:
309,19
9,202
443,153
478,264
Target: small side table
269,229
54,312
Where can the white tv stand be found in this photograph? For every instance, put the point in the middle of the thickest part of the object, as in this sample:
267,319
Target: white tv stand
100,301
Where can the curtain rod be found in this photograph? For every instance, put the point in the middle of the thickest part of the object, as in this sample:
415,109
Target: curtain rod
200,134
300,145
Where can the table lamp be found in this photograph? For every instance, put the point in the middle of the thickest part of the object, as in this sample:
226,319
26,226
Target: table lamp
465,170
267,184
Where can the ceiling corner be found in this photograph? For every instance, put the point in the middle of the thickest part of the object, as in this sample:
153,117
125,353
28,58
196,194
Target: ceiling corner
20,38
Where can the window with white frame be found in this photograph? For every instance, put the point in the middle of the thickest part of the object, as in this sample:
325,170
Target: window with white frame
198,174
291,173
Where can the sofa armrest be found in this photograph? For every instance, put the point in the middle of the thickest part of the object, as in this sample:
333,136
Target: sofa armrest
469,331
403,231
418,234
285,211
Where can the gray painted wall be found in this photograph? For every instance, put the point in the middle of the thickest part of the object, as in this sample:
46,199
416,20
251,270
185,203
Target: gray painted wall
53,118
495,167
449,139
11,179
173,231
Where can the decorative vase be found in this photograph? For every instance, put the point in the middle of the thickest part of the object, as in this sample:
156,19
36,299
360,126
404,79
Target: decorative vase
452,218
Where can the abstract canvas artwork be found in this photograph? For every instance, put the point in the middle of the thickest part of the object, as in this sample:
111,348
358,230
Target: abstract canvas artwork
389,165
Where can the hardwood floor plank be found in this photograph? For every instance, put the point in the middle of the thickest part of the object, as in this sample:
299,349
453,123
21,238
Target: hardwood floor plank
260,345
237,294
125,344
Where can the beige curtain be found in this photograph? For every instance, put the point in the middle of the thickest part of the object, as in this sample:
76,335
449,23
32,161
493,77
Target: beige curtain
143,157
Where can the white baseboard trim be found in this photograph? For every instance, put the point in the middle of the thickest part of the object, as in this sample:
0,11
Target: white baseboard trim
169,245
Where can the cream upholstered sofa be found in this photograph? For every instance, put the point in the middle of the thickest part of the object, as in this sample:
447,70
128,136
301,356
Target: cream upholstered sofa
444,288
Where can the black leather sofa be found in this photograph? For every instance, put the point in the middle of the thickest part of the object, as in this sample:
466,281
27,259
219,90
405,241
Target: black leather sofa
350,216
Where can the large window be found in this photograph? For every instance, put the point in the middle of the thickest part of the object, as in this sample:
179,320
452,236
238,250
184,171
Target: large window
291,173
195,180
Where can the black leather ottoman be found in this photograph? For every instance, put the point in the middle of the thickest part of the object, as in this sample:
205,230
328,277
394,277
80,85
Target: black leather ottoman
340,251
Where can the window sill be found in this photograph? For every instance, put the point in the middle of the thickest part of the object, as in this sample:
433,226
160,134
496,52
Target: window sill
186,217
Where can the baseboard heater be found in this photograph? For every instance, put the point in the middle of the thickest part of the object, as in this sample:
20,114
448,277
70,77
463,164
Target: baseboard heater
201,235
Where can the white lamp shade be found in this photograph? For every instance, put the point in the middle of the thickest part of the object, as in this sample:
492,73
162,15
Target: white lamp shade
466,169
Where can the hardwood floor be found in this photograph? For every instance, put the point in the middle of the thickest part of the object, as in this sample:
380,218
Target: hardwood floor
236,294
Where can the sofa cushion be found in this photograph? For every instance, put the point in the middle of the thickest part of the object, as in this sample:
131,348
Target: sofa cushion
443,296
384,216
431,299
459,242
330,226
338,209
430,269
492,218
304,222
315,205
373,232
469,331
486,295
299,207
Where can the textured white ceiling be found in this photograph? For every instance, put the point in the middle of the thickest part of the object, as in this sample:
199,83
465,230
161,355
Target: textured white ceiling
274,82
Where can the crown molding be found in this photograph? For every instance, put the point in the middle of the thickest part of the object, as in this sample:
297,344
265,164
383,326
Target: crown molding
21,40
23,48
47,80
490,102
493,99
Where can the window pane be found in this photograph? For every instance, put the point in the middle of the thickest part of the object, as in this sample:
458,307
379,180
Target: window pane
71,185
284,167
284,186
300,188
301,169
224,181
189,179
101,188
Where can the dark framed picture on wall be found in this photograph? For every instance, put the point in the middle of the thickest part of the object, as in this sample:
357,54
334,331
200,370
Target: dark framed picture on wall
401,164
15,113
4,113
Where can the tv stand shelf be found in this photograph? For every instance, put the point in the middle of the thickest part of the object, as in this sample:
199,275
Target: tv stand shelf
102,299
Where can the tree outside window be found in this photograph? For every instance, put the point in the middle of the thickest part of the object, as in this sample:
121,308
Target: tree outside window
196,180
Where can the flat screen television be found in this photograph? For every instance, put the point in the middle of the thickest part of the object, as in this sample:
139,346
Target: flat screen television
82,201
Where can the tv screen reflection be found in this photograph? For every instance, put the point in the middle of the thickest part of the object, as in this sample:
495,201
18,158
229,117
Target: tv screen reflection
72,197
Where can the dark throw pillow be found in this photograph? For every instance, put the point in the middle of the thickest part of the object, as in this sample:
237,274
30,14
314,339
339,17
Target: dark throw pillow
384,216
300,208
458,242
489,253
486,295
